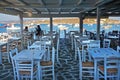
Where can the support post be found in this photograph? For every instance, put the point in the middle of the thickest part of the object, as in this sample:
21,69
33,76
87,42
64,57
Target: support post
81,24
51,29
98,24
51,25
21,26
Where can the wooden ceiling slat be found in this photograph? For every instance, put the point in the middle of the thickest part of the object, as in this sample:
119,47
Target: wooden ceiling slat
47,8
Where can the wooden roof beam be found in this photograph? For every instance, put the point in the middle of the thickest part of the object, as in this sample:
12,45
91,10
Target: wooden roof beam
47,6
7,2
79,2
62,15
59,10
2,10
43,4
13,9
37,10
60,2
102,2
22,1
72,10
111,9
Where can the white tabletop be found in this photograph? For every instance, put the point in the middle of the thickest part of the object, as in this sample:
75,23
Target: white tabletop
113,37
36,54
102,52
2,43
86,41
76,36
40,42
37,44
15,38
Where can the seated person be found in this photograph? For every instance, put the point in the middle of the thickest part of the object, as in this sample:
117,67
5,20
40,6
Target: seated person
38,30
26,29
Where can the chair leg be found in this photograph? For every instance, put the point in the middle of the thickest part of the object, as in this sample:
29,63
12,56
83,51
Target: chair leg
89,57
80,76
53,73
75,55
48,54
83,56
8,58
57,56
14,76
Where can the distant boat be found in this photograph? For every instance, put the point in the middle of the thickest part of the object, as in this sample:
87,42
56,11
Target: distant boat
76,25
13,27
62,27
107,27
3,26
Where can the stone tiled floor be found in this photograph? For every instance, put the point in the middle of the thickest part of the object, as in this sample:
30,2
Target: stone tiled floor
66,69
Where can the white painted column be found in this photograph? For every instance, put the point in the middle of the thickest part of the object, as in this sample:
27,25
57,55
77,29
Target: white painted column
81,24
51,29
51,25
21,23
98,24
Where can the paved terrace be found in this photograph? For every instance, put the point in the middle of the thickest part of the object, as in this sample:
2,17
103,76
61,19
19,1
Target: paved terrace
67,69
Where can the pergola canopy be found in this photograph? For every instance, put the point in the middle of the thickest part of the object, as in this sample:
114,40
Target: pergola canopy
60,8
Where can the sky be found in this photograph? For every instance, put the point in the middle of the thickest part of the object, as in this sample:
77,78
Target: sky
7,18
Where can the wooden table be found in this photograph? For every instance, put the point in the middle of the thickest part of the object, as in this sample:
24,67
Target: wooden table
2,44
35,54
99,54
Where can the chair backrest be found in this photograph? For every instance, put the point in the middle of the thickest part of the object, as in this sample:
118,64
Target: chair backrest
111,65
35,48
39,46
106,43
82,38
28,44
58,41
79,56
13,52
43,45
53,55
118,49
75,44
12,45
45,38
94,44
80,62
24,67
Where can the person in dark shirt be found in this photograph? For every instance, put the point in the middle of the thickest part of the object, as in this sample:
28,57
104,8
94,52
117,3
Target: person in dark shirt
26,28
38,30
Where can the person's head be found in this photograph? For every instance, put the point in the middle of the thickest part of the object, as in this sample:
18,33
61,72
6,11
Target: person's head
38,26
26,28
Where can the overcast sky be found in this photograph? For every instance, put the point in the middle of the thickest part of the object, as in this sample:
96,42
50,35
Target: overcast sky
6,17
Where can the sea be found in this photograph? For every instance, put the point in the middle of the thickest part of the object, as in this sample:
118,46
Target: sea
67,27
